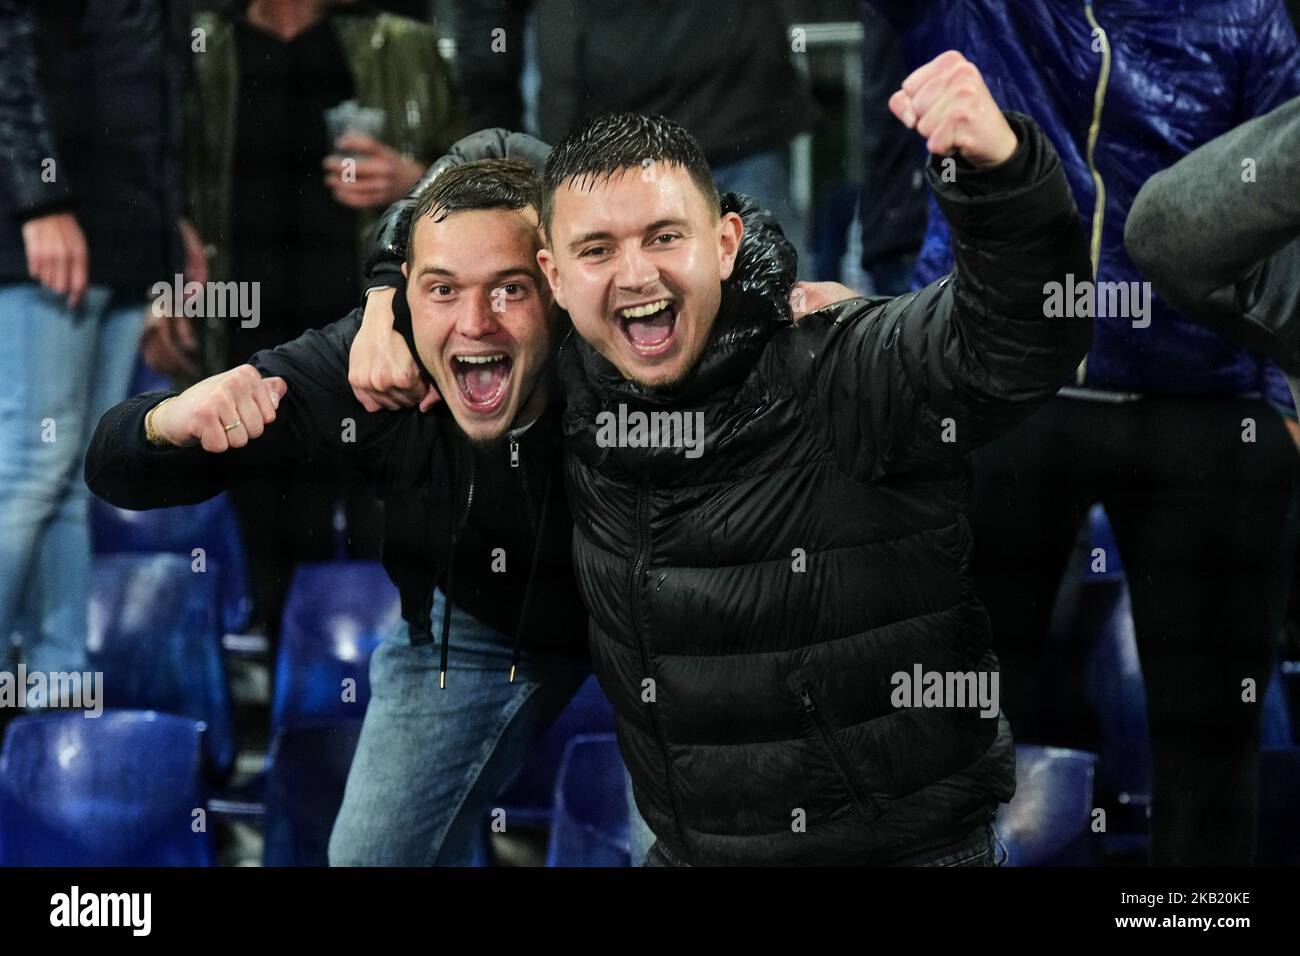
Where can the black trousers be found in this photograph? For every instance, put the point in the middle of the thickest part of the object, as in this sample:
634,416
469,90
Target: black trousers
1204,521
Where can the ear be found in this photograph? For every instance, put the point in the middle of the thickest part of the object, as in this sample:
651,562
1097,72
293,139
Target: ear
730,231
406,271
547,264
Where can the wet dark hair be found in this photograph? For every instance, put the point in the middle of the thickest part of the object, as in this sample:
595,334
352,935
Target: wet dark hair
482,184
613,142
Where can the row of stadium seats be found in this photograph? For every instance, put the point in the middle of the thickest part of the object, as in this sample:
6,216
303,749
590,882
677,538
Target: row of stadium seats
127,789
159,616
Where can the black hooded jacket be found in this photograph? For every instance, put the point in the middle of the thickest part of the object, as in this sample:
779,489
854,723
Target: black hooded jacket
750,606
454,514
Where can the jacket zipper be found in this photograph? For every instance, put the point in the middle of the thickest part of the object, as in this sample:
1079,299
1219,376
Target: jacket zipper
1099,185
523,481
634,603
469,496
868,804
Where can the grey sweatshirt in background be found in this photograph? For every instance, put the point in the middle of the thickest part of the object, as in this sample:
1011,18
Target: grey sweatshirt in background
1218,235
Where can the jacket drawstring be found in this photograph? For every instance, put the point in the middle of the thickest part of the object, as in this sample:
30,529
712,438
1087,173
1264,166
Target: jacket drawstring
446,614
451,570
532,574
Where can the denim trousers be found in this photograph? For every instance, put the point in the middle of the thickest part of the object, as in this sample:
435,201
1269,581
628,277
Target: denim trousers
430,762
61,369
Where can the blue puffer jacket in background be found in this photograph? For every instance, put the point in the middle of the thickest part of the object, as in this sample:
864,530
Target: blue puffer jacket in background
1181,73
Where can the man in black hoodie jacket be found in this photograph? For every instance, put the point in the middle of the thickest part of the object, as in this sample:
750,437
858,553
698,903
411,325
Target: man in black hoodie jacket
475,509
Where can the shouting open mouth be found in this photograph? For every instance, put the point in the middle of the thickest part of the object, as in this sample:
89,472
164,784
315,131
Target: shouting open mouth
649,328
483,379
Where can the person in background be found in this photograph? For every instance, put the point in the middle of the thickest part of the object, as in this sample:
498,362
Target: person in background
1231,260
724,70
284,209
891,211
1174,429
91,210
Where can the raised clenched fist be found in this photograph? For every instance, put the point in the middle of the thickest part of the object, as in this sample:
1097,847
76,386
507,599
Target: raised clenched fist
947,102
225,411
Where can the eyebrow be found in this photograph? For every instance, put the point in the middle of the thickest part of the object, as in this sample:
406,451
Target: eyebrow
654,226
499,274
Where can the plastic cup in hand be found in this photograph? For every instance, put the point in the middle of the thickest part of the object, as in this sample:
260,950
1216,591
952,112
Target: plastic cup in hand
349,117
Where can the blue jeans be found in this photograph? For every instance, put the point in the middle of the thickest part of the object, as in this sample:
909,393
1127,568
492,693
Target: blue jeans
60,370
431,762
981,848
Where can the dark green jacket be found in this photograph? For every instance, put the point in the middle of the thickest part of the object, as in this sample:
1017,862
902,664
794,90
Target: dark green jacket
395,67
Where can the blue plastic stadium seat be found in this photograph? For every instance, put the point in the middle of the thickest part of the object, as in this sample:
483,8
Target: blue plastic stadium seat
1275,713
210,525
1048,822
154,635
1279,807
117,790
309,765
589,824
335,615
530,797
1103,537
1290,672
1117,696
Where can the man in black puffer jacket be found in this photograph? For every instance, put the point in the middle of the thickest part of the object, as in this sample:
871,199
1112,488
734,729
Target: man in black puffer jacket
761,599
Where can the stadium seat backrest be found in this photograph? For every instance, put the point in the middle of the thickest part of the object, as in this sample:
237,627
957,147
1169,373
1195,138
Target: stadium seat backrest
590,820
120,789
210,526
154,634
335,615
1048,821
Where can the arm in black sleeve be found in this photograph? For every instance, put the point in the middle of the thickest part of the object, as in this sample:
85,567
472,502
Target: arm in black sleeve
934,373
1218,234
388,240
318,421
28,148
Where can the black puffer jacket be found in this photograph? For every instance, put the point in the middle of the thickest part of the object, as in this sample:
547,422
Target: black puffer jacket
747,690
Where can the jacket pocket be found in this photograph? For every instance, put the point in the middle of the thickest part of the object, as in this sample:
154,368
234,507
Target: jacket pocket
824,732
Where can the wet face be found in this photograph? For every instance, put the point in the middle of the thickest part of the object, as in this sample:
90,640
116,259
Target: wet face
638,260
483,316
